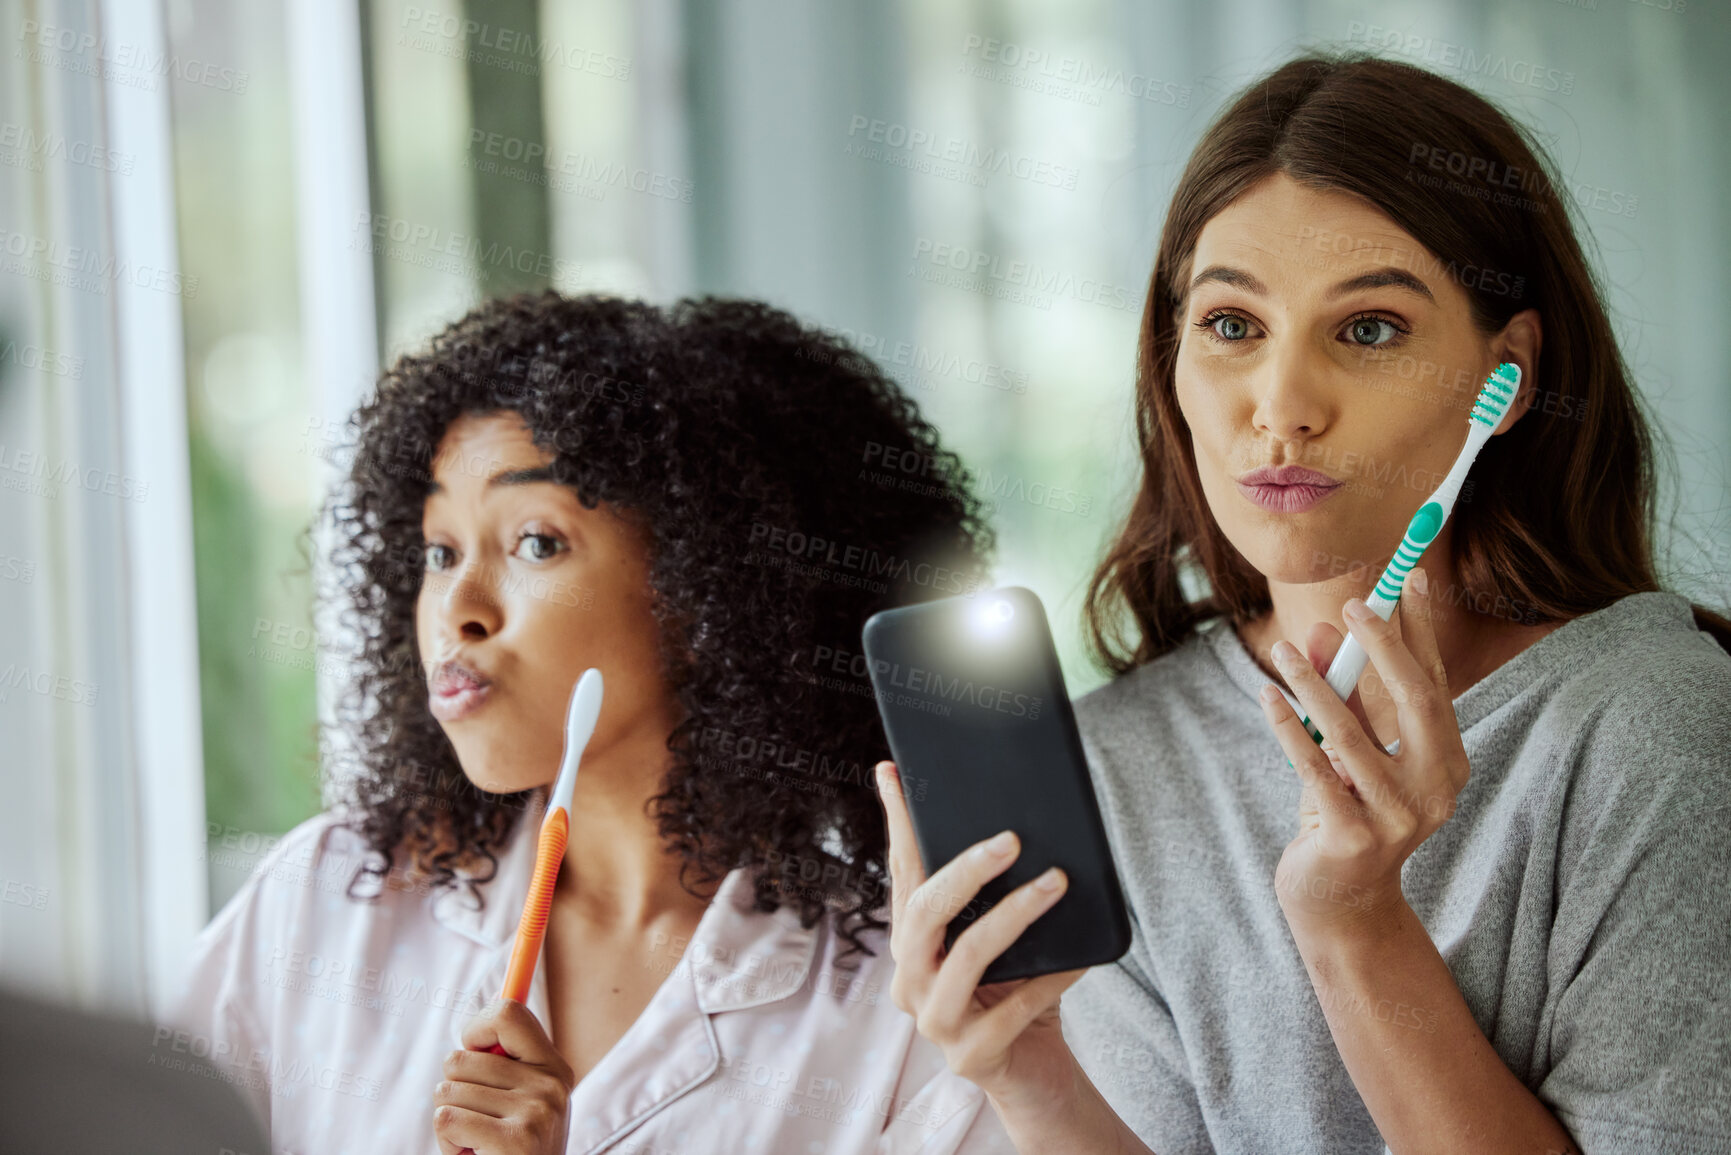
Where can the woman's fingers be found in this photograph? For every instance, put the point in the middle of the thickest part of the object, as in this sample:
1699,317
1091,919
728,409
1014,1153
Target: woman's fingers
491,1101
922,907
509,1076
487,1100
482,1068
977,1028
1024,1002
528,1126
1418,628
942,897
1320,645
951,994
1333,796
515,1027
1360,757
982,1052
906,871
458,1129
1420,704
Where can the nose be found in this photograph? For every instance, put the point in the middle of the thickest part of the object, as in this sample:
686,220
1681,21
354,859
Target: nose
1291,404
469,606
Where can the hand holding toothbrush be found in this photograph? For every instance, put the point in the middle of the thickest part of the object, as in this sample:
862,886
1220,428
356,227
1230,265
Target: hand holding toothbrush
509,1090
1363,810
1489,408
1396,1014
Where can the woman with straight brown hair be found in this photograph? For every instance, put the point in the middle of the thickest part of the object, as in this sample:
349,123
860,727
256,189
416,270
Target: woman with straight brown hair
1504,922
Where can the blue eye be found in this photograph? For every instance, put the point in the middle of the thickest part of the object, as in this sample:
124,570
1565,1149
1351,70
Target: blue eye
1368,330
1371,330
1227,328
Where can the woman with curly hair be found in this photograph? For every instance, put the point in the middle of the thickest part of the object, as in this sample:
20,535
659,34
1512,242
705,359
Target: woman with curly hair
694,501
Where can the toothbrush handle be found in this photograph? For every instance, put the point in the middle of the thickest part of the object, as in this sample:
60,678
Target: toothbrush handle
1349,661
532,929
1347,667
1420,532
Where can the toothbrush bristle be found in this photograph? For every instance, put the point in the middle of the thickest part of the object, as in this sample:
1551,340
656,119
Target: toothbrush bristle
1497,395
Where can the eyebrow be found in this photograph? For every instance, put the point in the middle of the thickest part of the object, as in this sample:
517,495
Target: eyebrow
508,477
1386,277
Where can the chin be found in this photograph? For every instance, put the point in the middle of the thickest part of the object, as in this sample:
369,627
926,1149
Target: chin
1325,550
1291,570
473,756
1286,558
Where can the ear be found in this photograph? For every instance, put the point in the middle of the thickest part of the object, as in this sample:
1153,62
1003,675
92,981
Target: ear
1519,342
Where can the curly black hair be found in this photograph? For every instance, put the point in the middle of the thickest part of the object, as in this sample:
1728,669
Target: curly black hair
788,490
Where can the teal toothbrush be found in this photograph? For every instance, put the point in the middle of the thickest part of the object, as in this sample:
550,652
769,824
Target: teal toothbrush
1493,402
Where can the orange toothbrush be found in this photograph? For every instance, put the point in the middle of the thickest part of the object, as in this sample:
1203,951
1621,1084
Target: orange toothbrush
555,829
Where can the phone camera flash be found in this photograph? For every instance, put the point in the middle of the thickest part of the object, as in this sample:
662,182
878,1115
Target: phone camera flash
989,620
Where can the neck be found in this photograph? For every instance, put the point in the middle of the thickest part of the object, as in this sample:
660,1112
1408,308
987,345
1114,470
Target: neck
1470,643
618,871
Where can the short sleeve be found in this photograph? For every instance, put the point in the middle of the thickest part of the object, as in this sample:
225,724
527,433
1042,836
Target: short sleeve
1640,1014
1123,1036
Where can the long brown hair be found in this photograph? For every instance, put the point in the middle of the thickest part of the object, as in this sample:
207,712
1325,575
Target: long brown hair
1469,185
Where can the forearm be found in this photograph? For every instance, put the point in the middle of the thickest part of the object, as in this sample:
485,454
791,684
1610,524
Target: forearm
1430,1079
1074,1121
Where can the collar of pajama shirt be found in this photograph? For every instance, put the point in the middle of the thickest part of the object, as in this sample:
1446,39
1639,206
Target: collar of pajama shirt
737,958
757,1038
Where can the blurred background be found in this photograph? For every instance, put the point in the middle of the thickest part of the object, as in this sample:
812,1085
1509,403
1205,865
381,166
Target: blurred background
218,219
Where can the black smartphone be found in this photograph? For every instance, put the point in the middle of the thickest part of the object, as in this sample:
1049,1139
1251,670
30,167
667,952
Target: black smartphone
980,727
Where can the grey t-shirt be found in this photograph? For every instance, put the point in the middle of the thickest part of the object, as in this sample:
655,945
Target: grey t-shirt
1581,895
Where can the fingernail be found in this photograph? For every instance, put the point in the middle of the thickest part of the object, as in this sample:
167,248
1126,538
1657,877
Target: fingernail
1357,611
1420,582
1270,694
1049,881
998,843
1284,653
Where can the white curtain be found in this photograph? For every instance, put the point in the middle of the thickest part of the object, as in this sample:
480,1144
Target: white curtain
101,878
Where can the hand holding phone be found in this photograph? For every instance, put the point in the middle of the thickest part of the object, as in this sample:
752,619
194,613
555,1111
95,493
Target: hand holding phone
1005,1038
984,741
990,797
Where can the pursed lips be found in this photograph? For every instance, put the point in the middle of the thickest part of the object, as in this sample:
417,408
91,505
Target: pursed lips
457,690
1286,488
